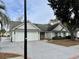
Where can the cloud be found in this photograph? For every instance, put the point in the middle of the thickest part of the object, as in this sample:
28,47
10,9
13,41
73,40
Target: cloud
38,11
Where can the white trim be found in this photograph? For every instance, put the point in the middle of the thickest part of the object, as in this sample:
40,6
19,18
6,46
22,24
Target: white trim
18,26
23,24
34,25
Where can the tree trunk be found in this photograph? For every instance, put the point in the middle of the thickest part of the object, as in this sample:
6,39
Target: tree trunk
72,35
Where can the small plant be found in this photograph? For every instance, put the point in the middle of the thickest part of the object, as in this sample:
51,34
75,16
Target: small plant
2,31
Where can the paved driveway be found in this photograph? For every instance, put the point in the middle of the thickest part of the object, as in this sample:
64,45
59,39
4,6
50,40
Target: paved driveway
15,47
44,50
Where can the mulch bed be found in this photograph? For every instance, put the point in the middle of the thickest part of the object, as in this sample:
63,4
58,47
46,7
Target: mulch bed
64,42
8,55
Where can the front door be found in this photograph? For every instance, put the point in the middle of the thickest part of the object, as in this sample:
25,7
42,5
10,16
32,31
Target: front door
42,35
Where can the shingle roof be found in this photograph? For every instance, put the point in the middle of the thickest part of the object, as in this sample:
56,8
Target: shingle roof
47,27
14,24
43,27
51,27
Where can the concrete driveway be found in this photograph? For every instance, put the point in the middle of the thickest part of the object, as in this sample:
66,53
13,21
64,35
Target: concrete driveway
15,47
44,50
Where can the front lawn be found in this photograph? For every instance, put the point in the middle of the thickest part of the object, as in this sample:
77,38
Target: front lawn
64,42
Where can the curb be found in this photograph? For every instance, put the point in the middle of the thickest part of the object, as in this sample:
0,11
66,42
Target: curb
21,57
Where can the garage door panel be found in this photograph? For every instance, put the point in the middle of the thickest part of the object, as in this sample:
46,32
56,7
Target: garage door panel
19,36
32,36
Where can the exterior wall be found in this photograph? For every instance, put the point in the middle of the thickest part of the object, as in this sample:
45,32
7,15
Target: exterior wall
46,36
78,34
13,36
58,28
60,34
53,34
49,35
21,27
67,34
30,26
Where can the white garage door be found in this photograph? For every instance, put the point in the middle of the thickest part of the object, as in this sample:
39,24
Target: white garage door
32,36
19,36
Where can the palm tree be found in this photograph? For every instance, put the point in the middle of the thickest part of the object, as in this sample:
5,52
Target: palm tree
4,19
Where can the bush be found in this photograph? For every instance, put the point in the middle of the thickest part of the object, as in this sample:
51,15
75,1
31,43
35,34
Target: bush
57,37
68,37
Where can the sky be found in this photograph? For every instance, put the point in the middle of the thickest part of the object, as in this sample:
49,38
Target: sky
38,11
14,8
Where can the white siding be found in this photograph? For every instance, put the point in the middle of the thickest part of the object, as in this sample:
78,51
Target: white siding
58,28
63,30
62,35
13,36
30,26
53,34
46,36
21,27
49,35
67,34
78,34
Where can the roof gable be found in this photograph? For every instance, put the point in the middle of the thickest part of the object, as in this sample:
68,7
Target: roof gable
14,24
21,26
58,28
31,26
51,27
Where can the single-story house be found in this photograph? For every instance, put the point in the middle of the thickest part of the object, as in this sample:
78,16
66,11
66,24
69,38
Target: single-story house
37,31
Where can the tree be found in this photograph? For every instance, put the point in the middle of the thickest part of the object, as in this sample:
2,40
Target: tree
67,11
2,31
4,19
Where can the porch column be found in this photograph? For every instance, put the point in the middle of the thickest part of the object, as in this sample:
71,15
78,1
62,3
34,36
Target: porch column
64,33
56,34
